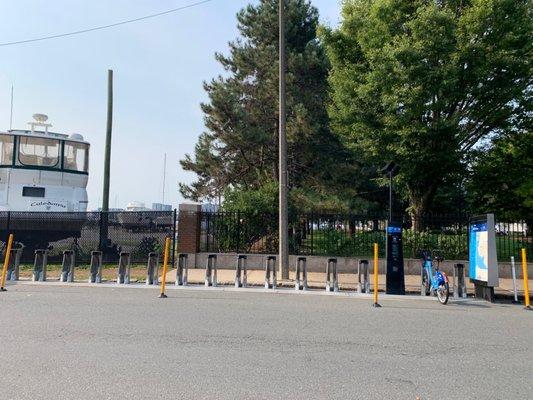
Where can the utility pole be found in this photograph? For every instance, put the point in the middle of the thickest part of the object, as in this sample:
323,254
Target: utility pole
109,128
283,207
104,215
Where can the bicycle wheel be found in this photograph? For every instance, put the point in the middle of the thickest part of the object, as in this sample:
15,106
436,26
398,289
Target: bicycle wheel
443,293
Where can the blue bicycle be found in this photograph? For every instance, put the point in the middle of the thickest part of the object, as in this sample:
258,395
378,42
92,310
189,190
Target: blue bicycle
434,283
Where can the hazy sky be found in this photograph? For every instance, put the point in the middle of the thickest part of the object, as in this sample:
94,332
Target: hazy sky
159,65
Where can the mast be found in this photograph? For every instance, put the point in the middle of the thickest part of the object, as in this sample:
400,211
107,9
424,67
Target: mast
164,176
11,114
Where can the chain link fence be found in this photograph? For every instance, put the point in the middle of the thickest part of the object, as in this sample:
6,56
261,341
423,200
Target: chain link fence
138,233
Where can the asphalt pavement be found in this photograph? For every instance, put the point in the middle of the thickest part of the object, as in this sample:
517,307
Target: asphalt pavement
77,342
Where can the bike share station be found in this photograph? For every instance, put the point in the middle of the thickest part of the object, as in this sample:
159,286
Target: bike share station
483,259
395,269
483,264
483,267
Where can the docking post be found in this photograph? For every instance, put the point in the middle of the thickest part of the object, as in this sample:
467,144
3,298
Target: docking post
513,273
332,281
40,265
13,269
241,273
67,267
300,283
182,271
152,269
363,284
124,266
459,284
270,268
95,275
211,270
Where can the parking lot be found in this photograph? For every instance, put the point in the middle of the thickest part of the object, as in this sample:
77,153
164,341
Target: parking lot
77,342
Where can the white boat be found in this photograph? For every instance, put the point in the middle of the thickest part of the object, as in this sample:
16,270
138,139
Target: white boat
43,173
42,170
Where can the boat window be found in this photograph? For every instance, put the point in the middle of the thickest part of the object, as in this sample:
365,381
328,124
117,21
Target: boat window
29,191
76,156
36,151
6,150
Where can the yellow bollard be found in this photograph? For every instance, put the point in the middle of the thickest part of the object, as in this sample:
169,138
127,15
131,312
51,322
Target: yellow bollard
162,295
6,262
524,273
376,264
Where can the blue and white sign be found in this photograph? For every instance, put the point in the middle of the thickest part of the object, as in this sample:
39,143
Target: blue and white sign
483,263
479,252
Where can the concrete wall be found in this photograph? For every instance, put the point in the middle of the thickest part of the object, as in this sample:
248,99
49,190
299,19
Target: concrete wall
344,264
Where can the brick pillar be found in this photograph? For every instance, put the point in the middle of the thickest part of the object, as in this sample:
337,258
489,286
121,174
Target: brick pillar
189,220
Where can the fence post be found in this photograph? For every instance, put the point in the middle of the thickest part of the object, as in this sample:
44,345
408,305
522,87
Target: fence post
312,233
238,231
189,228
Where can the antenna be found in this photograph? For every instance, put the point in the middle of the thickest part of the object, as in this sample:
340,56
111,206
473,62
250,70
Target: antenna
164,176
11,115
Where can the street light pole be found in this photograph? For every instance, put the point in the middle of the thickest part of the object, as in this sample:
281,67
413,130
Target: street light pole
283,206
390,196
391,169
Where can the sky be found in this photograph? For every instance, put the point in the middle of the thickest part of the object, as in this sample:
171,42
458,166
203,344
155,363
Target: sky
159,66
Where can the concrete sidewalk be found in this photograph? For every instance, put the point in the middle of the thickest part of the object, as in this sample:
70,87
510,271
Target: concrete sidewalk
317,280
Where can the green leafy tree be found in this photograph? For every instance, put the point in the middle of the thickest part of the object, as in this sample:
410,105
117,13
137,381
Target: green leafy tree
239,149
423,82
502,178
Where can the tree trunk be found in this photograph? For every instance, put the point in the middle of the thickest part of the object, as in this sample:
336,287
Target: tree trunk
351,224
419,204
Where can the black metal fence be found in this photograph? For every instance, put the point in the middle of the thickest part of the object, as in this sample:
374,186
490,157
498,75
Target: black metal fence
353,235
350,235
136,232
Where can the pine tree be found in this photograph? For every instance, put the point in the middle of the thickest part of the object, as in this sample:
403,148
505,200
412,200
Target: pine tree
239,148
